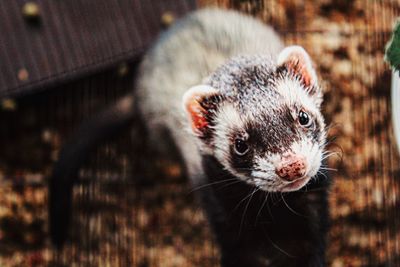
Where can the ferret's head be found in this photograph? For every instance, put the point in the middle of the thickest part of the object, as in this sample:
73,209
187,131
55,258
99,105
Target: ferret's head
261,119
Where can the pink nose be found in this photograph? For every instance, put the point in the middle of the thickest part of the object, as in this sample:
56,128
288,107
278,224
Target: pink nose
291,167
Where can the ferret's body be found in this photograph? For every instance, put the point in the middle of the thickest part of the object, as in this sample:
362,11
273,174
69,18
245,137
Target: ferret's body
245,117
184,57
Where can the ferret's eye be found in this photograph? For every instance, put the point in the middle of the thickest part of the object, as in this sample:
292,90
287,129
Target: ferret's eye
304,119
241,147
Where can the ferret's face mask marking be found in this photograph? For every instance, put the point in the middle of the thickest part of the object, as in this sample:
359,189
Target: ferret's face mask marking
262,123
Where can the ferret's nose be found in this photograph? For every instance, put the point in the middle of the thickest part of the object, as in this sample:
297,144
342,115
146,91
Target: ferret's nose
291,167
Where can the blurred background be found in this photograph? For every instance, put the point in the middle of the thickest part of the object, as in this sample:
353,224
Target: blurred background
63,61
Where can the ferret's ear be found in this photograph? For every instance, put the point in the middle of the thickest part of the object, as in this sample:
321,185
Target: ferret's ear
200,103
295,59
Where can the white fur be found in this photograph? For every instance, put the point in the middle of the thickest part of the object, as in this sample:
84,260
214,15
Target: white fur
194,92
227,119
294,93
297,52
264,173
312,154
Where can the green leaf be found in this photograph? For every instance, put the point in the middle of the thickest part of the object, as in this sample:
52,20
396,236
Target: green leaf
392,54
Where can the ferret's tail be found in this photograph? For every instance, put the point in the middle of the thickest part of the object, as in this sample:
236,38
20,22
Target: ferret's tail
74,153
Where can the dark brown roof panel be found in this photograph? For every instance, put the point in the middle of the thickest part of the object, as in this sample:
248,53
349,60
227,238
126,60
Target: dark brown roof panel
72,38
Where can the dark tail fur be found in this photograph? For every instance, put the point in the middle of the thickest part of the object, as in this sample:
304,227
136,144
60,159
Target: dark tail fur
74,153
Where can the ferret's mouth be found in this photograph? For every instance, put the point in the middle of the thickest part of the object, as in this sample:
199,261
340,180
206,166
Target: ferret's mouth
296,184
278,184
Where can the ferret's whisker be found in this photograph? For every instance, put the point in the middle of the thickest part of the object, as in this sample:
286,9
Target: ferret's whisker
287,205
262,206
328,169
323,174
244,199
210,184
245,209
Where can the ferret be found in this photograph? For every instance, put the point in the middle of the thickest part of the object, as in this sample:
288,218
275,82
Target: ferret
244,113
